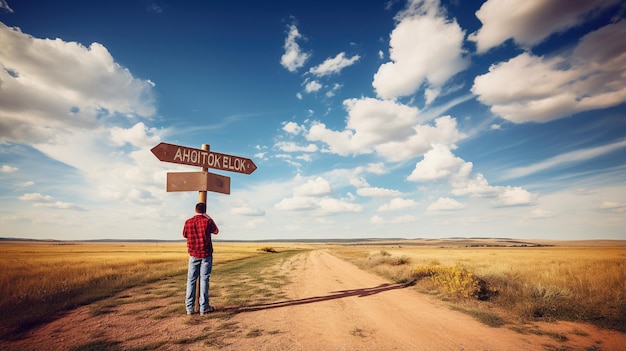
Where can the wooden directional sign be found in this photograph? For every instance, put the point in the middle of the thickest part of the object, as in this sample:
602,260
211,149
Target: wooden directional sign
202,158
197,181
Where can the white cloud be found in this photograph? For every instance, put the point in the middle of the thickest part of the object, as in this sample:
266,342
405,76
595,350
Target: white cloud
314,187
39,98
48,202
515,196
376,168
550,88
330,205
333,65
397,204
8,169
312,86
5,6
444,132
293,58
463,185
377,192
60,205
425,47
36,197
445,204
529,22
564,159
288,146
359,182
246,210
438,163
138,135
370,122
321,205
25,184
613,206
292,128
375,219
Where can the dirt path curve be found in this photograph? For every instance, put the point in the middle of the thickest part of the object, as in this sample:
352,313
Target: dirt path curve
337,306
331,305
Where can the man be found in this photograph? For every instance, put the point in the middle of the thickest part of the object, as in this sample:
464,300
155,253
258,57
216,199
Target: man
198,230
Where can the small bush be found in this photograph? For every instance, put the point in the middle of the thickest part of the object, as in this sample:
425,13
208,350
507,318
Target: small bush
455,281
385,258
268,249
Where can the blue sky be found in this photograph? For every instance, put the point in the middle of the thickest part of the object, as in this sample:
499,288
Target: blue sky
366,119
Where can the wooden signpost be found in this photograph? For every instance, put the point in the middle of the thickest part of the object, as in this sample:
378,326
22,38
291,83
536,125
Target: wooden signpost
202,181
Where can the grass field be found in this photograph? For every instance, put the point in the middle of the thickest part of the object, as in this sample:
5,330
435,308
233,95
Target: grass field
39,280
576,283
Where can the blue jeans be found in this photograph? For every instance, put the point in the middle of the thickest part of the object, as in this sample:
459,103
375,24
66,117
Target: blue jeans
198,267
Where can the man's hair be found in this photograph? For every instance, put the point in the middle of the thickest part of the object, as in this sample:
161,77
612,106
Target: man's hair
201,207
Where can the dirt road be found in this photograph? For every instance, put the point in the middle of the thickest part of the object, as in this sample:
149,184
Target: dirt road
331,305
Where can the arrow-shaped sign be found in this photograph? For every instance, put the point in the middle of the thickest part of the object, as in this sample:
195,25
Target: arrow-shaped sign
201,158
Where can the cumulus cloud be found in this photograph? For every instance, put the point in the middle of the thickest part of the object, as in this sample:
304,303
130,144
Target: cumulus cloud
314,187
441,164
437,163
375,219
138,135
377,192
312,86
288,146
8,169
529,22
321,205
87,119
293,58
333,65
445,204
424,48
548,88
444,131
39,98
370,122
292,128
397,204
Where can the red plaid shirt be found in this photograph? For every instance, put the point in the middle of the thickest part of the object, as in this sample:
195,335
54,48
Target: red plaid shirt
198,231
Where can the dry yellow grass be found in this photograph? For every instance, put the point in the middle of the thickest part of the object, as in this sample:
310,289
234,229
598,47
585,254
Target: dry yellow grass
40,279
571,283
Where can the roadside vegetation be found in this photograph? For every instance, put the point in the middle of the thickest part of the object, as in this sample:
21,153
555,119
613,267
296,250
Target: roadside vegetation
584,284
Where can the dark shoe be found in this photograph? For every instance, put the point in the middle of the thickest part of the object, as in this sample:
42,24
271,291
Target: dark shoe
210,310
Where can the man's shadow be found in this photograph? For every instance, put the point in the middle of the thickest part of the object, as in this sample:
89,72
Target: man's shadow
363,292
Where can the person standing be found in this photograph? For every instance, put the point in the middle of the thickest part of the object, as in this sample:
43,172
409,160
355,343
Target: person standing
197,231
